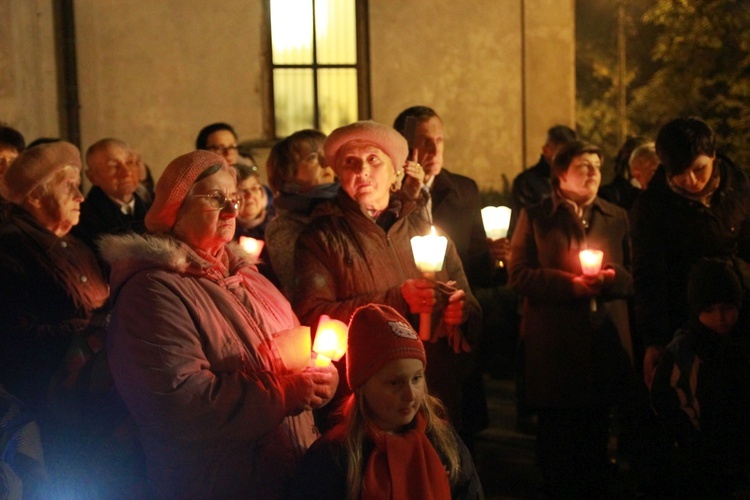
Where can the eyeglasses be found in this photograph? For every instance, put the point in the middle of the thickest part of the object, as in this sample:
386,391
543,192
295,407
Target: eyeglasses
220,202
222,150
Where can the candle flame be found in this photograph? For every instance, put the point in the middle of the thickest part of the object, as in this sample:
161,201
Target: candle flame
330,338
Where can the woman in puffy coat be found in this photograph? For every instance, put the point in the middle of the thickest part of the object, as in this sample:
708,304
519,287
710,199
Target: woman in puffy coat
192,350
575,327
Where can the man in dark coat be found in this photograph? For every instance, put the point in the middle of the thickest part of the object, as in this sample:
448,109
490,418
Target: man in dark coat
112,205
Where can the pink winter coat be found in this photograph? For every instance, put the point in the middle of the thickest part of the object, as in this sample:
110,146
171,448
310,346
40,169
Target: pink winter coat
193,359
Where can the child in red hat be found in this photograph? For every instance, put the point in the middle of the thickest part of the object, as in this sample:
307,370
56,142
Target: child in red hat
391,442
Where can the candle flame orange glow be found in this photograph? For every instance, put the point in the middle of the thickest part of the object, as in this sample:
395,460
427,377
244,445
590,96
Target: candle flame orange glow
251,245
591,261
330,339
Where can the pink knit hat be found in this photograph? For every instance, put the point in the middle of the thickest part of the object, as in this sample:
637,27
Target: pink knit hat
384,137
174,185
378,335
37,164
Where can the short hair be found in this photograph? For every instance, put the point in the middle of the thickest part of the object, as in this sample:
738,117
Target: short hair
12,137
681,141
102,143
622,159
284,156
201,142
561,134
565,156
245,172
421,113
646,151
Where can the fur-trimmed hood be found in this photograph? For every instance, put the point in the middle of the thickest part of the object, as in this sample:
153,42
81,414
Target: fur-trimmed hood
130,253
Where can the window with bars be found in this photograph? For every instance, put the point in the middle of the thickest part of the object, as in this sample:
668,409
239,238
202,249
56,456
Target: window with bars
318,64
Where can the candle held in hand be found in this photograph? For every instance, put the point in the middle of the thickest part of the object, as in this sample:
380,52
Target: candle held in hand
251,245
330,340
496,221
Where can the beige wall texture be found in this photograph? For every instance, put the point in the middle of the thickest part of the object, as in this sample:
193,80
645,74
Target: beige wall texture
153,72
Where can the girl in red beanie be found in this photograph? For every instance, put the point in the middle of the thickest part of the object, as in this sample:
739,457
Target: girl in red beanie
391,441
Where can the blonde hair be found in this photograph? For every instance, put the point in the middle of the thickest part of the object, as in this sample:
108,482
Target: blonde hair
356,418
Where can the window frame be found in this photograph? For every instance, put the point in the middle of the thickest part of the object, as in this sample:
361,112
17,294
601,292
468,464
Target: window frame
362,66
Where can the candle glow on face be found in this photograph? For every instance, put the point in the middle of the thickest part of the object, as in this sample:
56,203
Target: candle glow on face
251,245
591,261
429,251
496,221
330,340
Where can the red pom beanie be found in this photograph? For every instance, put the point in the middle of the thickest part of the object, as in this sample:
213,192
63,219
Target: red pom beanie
37,164
378,335
174,185
384,137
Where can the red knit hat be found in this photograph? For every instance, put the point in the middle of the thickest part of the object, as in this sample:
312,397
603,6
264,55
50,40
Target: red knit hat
174,186
378,335
36,165
384,137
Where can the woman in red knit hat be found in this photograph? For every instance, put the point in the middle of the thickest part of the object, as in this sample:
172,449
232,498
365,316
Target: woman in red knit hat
392,441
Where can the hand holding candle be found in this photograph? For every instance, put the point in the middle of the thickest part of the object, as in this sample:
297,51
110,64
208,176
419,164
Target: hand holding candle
330,340
591,264
429,253
496,221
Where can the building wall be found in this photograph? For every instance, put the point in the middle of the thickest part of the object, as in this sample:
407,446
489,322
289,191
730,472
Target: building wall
499,72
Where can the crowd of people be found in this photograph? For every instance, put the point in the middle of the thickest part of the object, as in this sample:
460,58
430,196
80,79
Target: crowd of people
143,344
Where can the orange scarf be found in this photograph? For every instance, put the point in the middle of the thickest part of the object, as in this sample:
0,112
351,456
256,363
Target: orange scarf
405,465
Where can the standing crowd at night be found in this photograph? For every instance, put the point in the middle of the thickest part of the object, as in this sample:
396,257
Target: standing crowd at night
144,327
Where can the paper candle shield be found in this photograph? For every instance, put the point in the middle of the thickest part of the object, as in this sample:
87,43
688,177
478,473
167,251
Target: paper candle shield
294,347
496,221
330,338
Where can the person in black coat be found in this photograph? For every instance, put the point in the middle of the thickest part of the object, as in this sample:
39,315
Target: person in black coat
112,205
697,205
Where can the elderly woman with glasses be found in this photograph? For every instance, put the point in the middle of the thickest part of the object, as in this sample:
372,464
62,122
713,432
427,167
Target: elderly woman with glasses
193,350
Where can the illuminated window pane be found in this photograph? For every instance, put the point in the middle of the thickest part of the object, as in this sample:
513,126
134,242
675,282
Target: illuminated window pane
293,100
336,31
292,31
337,98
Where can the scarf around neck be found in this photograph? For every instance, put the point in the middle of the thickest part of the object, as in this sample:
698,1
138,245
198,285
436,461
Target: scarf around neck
704,196
405,465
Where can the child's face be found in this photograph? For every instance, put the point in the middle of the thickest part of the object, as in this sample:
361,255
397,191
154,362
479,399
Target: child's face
395,393
720,318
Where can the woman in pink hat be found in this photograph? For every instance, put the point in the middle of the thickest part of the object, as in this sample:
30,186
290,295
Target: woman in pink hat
358,251
192,350
392,441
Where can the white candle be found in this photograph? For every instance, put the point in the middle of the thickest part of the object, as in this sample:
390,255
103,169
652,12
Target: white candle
330,340
429,251
251,245
496,221
591,261
294,347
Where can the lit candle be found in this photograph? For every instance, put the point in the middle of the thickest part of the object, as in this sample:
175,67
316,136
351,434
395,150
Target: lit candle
591,264
429,254
330,340
251,245
591,261
496,221
294,347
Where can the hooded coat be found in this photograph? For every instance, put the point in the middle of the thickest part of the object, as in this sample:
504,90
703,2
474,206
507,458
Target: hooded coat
191,350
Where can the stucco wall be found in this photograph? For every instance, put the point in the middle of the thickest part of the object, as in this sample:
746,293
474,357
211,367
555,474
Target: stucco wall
499,72
28,71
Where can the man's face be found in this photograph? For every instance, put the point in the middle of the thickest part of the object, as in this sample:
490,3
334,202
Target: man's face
428,141
550,149
113,168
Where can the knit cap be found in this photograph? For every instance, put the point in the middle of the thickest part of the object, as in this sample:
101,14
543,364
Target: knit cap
382,136
713,281
174,185
37,164
378,335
